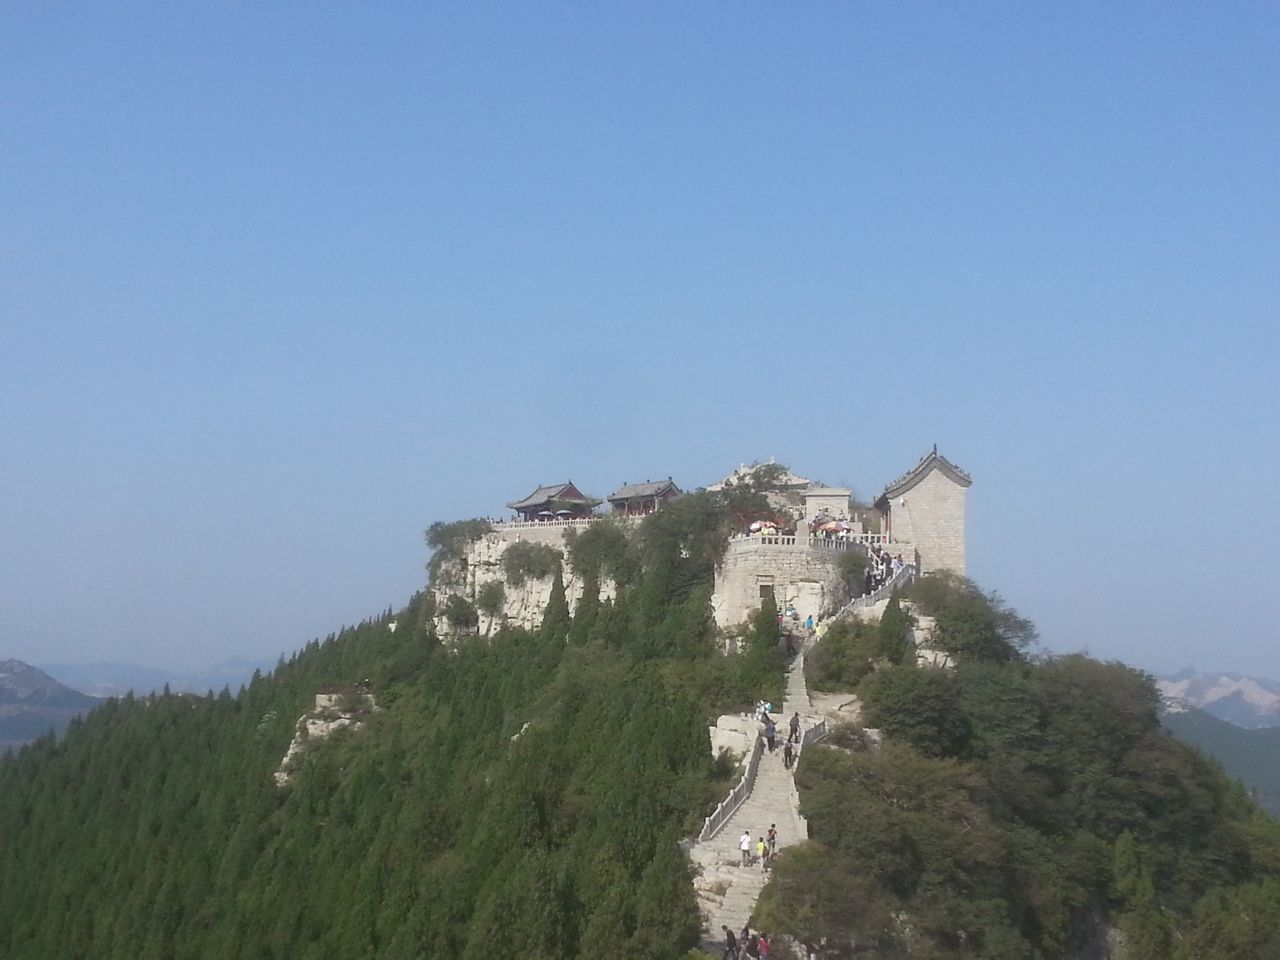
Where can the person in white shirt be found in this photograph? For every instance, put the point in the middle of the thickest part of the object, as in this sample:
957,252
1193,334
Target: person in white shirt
744,844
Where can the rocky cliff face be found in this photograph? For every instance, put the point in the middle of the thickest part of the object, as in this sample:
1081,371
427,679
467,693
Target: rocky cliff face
523,603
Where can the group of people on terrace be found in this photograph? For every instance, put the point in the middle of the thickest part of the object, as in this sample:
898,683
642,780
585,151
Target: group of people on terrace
770,527
835,529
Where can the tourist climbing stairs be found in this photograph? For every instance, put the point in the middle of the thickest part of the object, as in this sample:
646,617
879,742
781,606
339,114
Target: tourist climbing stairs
728,890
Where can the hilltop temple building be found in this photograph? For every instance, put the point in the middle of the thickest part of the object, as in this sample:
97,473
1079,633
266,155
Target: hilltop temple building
919,517
925,507
642,499
556,501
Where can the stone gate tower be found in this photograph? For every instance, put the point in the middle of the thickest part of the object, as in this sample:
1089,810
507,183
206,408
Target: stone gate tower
925,506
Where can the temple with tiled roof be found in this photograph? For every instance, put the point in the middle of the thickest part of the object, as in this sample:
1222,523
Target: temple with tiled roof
642,499
555,501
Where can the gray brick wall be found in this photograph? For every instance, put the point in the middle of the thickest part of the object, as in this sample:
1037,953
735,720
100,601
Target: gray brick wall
932,517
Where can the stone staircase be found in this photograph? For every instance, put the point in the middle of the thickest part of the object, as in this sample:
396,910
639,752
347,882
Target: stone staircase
727,892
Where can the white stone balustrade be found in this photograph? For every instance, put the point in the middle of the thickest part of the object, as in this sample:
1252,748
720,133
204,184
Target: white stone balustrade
540,524
847,542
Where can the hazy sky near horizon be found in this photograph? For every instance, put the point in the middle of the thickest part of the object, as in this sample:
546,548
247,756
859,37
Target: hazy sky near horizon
280,284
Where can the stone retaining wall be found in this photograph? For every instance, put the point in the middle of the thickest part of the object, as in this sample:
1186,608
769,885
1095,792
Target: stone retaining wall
806,578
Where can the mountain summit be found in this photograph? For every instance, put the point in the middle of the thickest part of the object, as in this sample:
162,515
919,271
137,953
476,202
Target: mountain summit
21,683
32,703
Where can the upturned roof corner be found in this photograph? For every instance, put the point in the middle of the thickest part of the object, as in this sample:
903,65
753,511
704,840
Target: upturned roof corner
650,488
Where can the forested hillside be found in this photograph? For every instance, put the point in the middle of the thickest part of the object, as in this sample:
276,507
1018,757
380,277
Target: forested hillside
1020,807
523,795
154,829
1251,756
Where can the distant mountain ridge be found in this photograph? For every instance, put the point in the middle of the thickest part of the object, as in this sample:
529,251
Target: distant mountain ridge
21,683
112,679
1247,702
32,703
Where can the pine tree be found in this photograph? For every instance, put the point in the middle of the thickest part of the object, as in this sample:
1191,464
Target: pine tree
584,617
555,619
893,633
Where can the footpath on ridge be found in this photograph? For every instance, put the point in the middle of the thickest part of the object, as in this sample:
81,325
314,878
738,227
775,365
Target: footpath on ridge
727,891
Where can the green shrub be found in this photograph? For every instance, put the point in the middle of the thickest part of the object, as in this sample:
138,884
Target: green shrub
971,624
460,613
490,598
893,632
852,566
846,653
1236,923
852,647
530,561
601,551
918,707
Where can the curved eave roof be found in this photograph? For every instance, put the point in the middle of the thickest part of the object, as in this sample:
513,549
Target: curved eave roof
931,461
549,492
633,491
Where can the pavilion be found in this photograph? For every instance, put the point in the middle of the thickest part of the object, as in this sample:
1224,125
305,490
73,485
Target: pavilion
642,499
555,501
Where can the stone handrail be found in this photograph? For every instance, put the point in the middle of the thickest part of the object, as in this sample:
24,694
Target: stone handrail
904,576
811,734
730,804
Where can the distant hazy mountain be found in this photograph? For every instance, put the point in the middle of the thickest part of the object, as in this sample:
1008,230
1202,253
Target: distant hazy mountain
32,703
108,679
1245,701
1251,756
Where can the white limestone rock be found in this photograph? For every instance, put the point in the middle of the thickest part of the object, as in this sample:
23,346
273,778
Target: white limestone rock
332,713
523,605
735,733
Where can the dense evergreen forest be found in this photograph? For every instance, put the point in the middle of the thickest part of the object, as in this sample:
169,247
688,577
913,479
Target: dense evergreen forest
154,829
522,795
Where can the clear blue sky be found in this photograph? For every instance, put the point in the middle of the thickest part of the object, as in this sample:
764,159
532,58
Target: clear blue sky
280,284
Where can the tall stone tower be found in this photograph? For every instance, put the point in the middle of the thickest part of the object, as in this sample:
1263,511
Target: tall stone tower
925,507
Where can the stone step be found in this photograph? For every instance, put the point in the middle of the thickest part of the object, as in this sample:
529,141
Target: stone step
772,800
